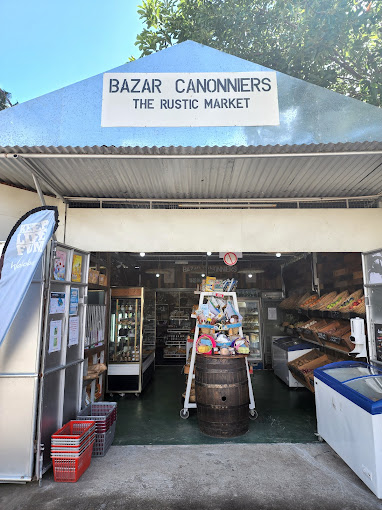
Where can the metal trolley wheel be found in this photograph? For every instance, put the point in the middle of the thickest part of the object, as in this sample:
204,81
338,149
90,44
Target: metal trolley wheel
184,414
253,414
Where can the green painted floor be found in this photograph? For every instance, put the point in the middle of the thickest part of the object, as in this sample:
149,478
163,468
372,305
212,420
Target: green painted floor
285,415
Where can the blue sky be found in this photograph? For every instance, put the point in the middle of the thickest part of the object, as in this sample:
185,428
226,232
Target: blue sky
46,45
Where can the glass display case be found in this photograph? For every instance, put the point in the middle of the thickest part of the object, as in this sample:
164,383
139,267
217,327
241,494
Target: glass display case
174,308
131,349
251,313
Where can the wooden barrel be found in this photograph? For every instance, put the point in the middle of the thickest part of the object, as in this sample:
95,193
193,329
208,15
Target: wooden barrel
222,395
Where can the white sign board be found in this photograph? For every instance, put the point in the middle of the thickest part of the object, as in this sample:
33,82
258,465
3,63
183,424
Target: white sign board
189,99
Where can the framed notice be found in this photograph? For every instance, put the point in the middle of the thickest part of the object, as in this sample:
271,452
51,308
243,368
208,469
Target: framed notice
74,329
57,302
55,329
59,268
272,314
77,268
73,304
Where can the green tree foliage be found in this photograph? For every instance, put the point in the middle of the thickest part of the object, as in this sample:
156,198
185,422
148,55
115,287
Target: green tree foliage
336,44
5,99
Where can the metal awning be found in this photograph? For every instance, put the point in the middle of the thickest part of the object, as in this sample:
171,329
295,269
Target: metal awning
343,170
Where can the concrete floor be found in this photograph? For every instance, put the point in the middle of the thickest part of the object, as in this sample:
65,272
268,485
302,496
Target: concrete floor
210,477
285,415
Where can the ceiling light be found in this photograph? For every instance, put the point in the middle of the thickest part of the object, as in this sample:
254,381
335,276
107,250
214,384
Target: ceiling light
278,254
157,275
209,253
142,254
203,275
136,267
250,275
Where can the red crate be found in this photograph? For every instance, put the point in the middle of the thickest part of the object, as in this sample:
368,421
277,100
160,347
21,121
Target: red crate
71,469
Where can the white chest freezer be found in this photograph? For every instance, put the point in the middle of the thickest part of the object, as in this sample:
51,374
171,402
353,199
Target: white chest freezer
349,416
284,350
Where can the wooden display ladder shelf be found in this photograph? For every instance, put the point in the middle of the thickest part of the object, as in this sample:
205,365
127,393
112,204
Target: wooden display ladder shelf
184,413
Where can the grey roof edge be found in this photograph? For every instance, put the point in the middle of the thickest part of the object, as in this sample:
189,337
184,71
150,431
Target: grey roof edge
329,148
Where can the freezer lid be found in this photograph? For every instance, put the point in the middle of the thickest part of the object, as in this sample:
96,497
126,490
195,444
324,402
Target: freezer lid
283,342
369,387
292,344
346,370
299,346
359,382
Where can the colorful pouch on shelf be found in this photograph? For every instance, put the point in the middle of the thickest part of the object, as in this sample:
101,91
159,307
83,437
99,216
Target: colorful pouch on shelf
231,311
212,310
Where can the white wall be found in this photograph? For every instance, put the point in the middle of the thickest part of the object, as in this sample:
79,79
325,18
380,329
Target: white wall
203,230
16,202
287,230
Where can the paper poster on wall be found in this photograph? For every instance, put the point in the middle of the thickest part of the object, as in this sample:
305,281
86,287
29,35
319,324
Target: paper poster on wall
77,268
73,304
57,302
55,336
74,330
272,314
59,268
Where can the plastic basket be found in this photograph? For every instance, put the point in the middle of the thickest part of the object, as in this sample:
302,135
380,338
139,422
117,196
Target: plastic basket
73,433
71,469
72,451
103,413
103,442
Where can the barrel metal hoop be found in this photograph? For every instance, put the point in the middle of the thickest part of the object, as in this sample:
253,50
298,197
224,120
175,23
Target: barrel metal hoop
221,386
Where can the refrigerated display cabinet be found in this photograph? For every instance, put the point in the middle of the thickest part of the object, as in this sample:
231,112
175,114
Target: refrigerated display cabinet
349,416
250,310
131,353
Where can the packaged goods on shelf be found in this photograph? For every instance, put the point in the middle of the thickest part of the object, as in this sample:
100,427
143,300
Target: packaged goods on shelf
95,371
210,283
102,280
93,276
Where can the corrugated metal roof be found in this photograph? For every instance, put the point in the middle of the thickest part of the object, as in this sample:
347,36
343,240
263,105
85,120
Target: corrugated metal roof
299,171
215,150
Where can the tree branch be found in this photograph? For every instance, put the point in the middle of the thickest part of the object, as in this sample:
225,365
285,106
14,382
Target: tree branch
345,65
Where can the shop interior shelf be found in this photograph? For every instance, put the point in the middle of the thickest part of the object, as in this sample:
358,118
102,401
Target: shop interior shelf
89,351
326,345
